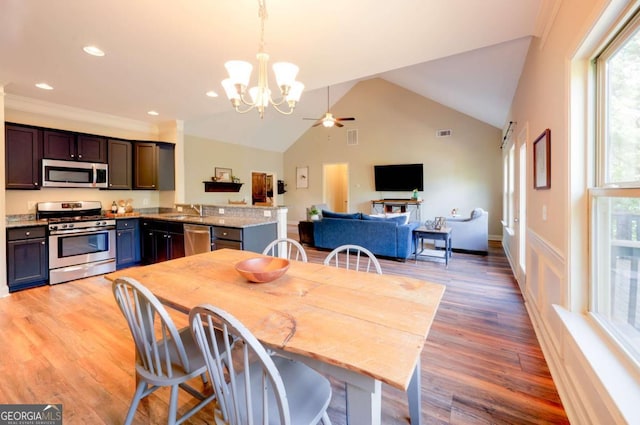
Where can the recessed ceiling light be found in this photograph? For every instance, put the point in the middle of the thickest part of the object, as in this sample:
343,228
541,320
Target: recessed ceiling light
93,50
211,93
154,113
44,86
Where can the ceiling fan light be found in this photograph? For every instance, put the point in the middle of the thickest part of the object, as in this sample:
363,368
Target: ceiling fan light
239,72
328,123
295,92
286,73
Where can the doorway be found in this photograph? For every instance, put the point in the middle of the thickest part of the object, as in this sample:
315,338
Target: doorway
262,192
335,186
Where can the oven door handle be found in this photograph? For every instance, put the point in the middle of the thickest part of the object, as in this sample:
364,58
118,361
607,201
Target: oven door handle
87,230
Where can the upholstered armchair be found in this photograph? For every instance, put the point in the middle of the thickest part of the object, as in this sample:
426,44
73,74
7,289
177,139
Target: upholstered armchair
469,233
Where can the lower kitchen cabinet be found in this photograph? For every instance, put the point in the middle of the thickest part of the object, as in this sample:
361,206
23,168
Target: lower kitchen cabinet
27,258
253,238
161,241
127,242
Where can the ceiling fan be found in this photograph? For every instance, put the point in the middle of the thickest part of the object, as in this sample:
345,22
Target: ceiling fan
328,120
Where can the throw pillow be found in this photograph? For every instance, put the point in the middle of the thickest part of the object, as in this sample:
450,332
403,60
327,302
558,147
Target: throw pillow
331,214
373,217
406,216
400,220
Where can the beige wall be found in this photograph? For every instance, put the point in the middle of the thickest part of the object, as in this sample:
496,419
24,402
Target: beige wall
395,125
596,384
202,156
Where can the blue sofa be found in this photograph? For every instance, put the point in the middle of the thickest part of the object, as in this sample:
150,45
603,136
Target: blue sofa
383,237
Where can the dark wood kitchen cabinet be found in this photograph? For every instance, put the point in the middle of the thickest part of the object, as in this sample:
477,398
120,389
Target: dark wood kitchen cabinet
127,242
27,258
70,146
119,155
161,241
153,166
23,152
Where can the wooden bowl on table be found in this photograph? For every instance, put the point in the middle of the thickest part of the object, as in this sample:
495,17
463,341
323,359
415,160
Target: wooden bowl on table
262,269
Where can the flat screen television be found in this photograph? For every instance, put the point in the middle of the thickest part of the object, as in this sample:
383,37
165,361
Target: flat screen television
398,177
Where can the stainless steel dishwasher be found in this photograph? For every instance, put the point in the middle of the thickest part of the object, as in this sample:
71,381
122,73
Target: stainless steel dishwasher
197,239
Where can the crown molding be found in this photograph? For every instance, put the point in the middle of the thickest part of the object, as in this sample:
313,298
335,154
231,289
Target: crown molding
35,106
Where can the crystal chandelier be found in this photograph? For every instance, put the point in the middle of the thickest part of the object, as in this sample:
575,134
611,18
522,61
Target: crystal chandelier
260,96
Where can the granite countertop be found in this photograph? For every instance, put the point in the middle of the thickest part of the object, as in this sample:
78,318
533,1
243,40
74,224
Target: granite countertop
231,221
238,222
26,223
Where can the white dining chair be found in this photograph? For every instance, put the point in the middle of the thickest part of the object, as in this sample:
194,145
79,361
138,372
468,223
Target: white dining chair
165,356
251,385
288,247
353,257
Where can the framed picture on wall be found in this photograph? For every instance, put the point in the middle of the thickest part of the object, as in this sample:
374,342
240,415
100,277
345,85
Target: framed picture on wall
542,161
302,177
223,174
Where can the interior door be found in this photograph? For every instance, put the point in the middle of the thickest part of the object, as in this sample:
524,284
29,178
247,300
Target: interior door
258,188
336,186
521,206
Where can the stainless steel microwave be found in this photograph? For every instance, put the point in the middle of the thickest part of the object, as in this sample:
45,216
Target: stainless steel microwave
56,173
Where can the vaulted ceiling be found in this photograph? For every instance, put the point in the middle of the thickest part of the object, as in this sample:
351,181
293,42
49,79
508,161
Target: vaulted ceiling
164,55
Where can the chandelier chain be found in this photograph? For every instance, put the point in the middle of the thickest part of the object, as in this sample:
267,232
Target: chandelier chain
262,13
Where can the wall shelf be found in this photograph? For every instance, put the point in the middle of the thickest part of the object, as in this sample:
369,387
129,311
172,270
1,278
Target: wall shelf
222,187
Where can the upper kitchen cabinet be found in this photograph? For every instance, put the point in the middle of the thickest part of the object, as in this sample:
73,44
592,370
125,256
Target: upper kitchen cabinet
23,152
119,155
71,146
153,166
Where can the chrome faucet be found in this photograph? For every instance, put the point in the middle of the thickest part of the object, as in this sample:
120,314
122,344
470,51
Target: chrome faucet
198,208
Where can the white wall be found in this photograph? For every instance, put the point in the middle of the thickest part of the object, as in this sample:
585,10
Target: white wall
395,125
595,385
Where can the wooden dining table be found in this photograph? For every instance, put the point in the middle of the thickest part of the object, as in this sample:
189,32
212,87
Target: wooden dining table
362,328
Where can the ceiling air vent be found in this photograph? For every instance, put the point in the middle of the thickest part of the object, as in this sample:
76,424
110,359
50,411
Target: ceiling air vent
352,137
443,133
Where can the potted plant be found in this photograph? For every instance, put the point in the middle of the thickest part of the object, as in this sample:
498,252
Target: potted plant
314,213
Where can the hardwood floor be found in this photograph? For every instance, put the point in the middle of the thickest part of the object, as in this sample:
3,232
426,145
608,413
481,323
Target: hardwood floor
481,363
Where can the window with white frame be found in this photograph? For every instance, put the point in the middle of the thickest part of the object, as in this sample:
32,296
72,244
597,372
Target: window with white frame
615,198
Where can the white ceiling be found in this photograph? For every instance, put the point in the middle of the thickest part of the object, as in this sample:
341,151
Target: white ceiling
164,55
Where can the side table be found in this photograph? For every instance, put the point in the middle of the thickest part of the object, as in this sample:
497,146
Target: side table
444,234
305,232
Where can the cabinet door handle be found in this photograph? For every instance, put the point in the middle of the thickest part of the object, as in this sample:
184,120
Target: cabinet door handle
42,243
79,156
73,156
35,183
119,233
27,233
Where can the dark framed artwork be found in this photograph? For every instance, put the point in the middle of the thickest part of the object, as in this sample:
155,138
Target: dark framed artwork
542,161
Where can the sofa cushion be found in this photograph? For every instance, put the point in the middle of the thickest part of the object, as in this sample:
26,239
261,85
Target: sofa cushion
331,214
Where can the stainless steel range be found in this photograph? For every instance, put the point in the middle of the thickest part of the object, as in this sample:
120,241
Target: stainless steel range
82,242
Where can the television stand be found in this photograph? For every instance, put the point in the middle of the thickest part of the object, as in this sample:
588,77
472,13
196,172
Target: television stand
397,205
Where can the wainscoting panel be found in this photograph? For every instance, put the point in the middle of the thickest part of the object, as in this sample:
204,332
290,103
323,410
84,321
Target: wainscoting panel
547,287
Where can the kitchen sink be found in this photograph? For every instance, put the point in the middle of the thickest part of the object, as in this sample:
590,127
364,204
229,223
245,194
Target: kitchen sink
183,217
